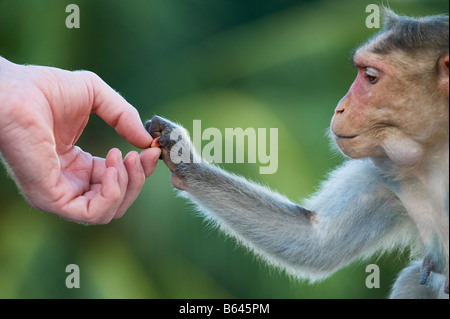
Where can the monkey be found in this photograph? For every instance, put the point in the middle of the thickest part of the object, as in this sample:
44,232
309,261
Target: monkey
392,191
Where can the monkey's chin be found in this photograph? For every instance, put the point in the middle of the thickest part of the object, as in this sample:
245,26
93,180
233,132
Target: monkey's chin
352,146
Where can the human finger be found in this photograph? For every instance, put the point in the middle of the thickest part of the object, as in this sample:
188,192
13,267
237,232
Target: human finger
136,179
149,159
117,112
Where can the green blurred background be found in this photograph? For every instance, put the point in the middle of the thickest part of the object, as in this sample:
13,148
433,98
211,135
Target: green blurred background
229,63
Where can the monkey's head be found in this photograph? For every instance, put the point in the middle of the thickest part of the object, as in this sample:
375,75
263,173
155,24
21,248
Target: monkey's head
398,105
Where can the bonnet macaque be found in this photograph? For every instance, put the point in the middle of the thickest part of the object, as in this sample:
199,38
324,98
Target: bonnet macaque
393,124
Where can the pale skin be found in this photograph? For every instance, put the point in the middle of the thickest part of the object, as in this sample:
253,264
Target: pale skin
43,113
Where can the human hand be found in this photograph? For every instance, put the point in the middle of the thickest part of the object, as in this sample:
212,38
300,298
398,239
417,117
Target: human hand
43,111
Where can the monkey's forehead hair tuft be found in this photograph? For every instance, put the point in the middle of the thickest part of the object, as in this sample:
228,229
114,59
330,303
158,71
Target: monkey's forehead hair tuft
410,35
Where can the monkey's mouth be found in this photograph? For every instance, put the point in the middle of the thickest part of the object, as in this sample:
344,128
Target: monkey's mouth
346,137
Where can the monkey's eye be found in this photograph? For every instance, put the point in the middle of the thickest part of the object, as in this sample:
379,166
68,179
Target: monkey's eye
371,79
371,75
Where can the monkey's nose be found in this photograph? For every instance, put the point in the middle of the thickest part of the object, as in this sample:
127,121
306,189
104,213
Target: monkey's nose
339,110
341,106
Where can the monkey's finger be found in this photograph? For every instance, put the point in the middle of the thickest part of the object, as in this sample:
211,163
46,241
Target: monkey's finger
165,141
159,126
166,157
425,271
156,127
148,125
446,286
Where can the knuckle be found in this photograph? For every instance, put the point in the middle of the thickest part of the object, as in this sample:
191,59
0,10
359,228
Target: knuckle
89,75
115,195
148,125
89,218
105,220
164,140
97,218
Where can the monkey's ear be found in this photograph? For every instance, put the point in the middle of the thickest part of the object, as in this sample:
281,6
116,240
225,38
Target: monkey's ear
443,74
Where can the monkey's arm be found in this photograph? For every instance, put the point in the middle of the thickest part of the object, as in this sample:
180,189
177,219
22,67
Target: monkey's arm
352,215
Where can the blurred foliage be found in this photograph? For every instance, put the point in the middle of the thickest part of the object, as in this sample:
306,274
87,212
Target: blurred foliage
230,63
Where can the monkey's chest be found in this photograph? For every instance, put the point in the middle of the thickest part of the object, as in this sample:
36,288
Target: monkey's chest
428,211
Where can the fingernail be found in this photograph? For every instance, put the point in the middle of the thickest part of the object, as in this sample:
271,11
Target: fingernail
119,156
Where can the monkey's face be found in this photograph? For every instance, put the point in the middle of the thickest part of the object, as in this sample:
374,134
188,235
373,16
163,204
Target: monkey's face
385,113
361,115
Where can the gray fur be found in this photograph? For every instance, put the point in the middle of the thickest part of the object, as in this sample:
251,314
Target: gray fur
406,285
308,245
353,215
408,34
362,208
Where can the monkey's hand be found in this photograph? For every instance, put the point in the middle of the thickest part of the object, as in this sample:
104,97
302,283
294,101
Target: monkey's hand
177,151
446,286
426,269
428,265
